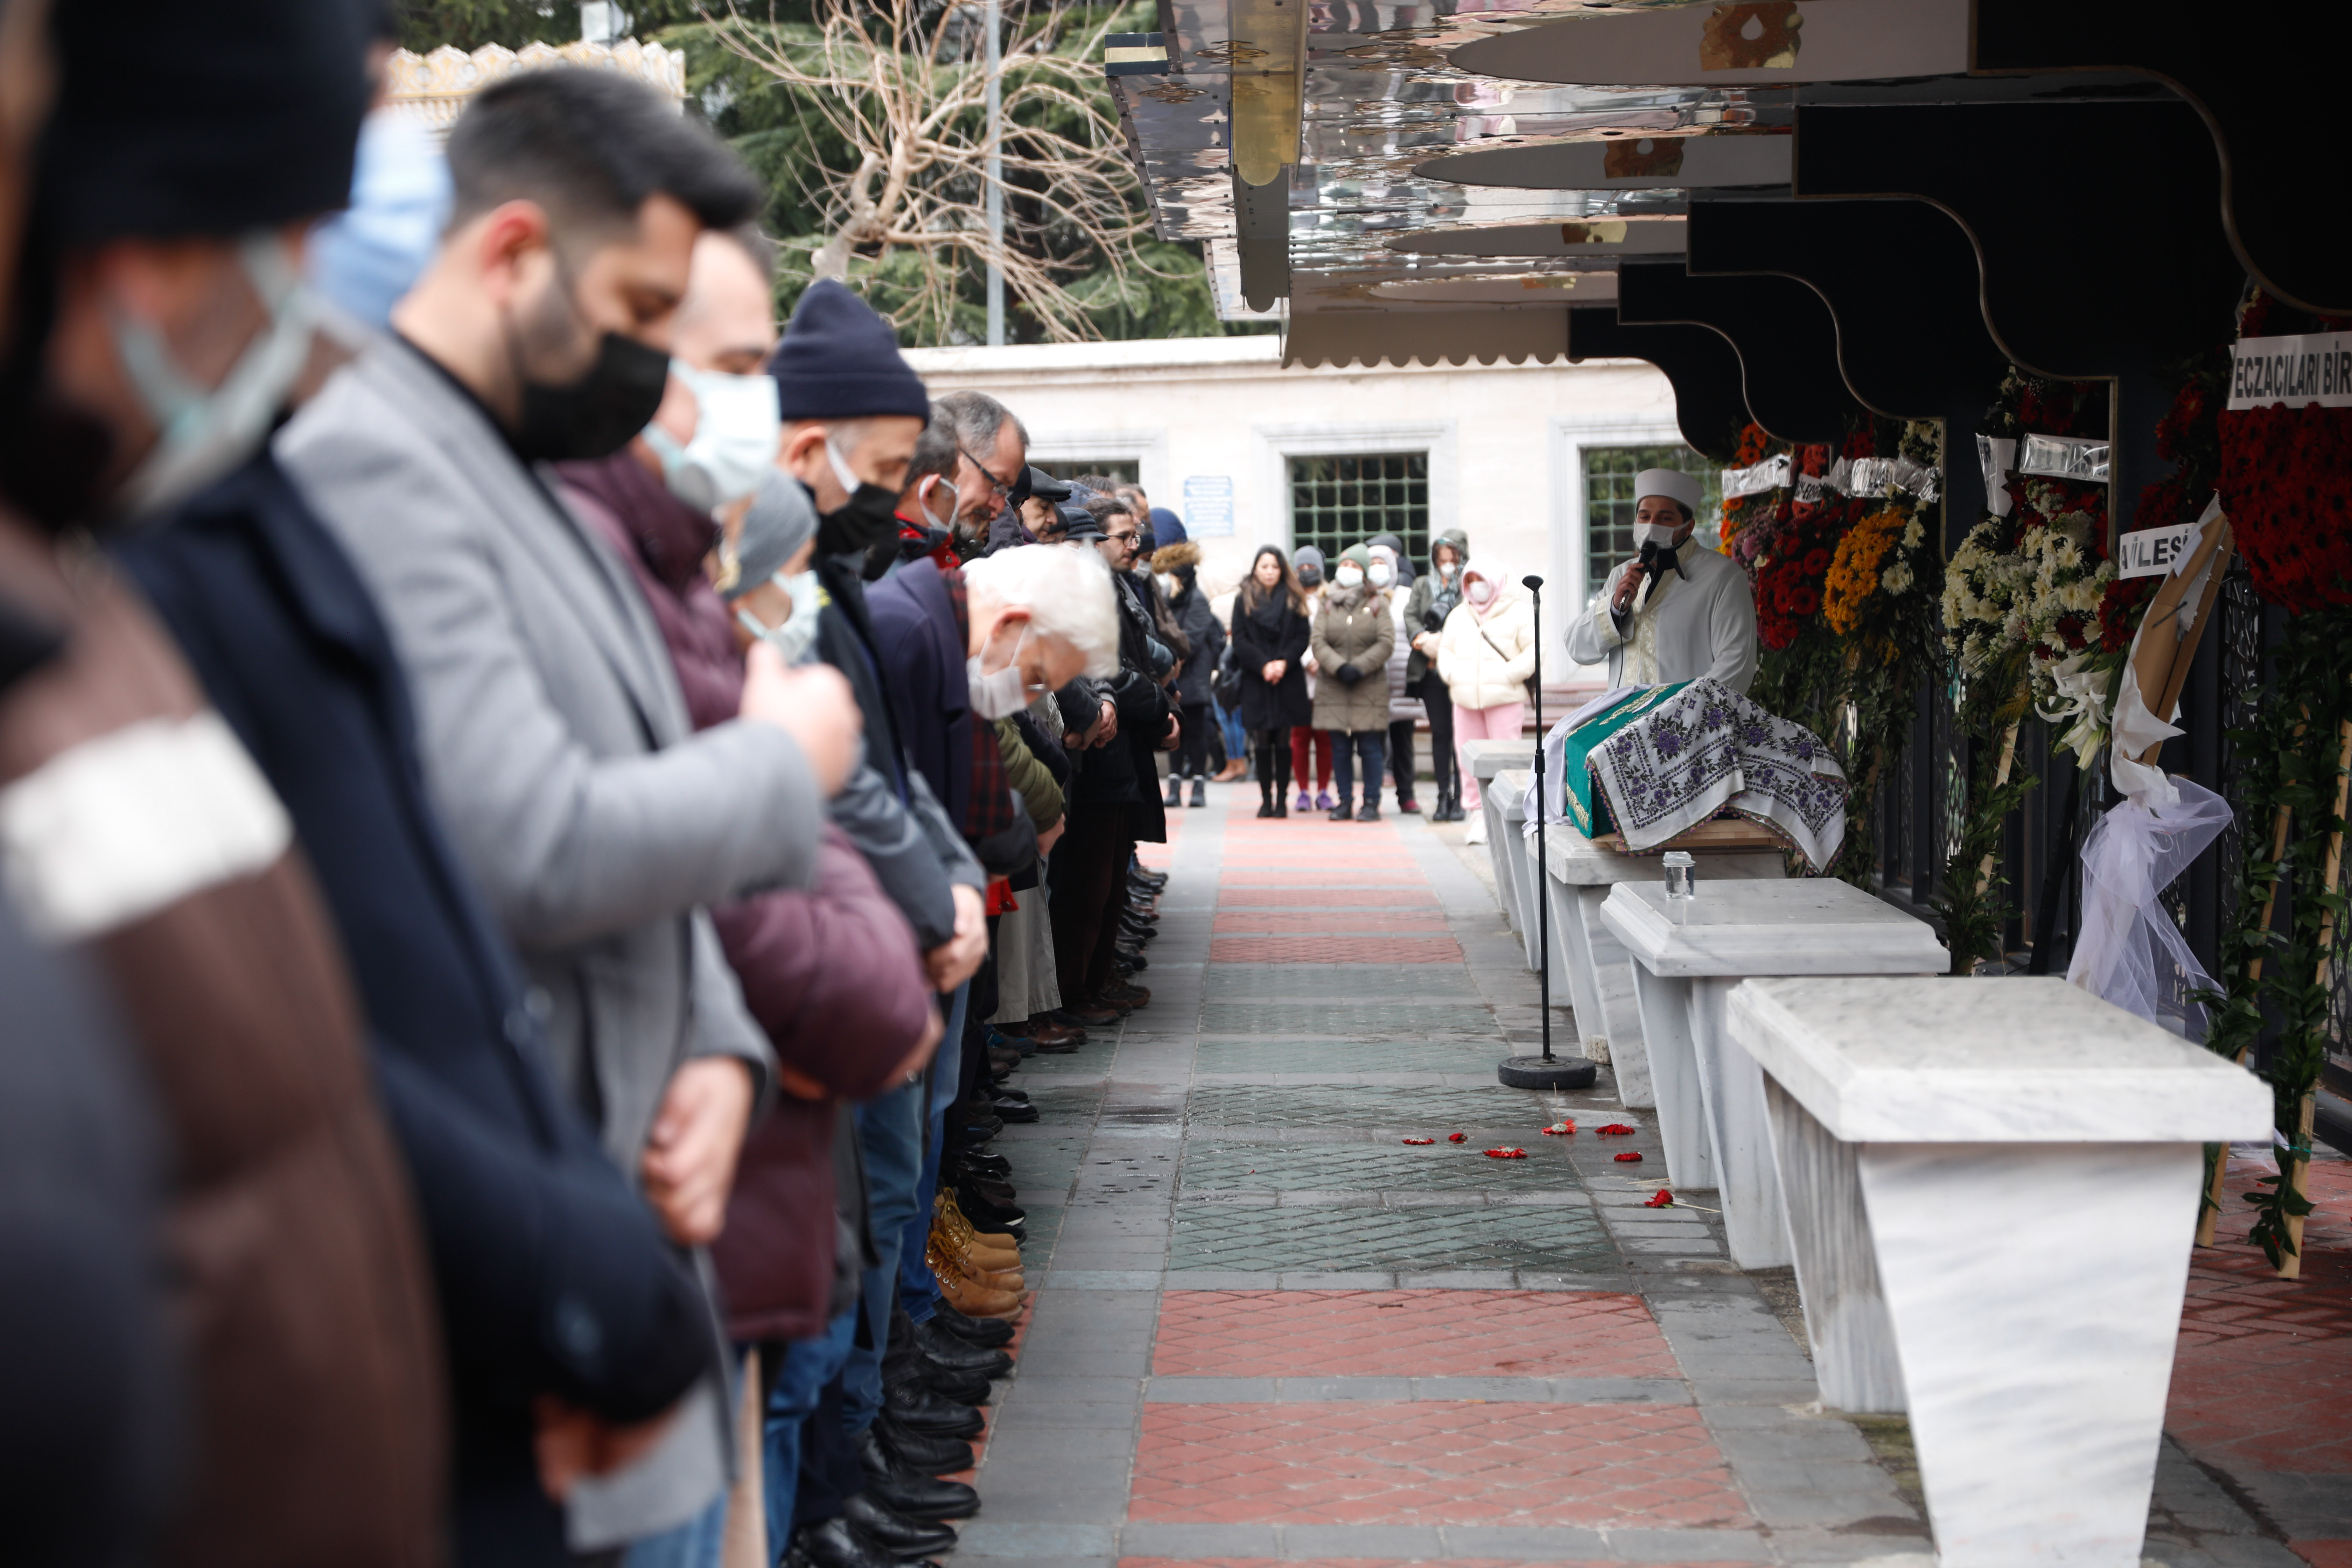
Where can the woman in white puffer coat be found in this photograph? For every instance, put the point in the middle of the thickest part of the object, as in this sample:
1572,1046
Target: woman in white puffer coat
1485,656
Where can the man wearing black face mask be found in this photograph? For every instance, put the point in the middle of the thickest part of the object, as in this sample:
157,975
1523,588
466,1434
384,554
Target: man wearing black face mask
594,817
852,412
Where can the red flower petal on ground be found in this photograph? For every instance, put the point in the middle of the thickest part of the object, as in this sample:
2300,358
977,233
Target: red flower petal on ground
1661,1199
1506,1153
1615,1130
1560,1129
1630,1157
1456,1137
1418,1140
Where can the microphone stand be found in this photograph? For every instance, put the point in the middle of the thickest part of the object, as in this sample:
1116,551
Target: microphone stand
1545,1071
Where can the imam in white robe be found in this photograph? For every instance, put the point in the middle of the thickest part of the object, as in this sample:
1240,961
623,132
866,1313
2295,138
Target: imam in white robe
1703,624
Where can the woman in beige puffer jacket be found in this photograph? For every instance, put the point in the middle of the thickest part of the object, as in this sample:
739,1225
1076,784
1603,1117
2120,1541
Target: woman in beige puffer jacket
1485,656
1353,638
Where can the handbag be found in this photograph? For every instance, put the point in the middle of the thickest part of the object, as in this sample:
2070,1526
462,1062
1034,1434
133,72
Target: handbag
1226,684
1528,685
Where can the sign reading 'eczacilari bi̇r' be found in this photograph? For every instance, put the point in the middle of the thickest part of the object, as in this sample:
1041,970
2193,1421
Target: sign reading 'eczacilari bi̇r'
2316,367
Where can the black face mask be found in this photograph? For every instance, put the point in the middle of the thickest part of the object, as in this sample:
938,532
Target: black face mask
870,517
595,416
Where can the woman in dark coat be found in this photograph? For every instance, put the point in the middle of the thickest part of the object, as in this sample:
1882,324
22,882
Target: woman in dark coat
1177,566
1270,635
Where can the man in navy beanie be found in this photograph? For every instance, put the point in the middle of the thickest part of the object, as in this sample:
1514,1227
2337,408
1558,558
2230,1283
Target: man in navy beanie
853,411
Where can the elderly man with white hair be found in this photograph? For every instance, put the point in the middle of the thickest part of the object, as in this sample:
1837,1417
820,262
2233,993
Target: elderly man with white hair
1675,612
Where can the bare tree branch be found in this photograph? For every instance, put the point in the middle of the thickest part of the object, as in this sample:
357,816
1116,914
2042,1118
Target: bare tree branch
906,92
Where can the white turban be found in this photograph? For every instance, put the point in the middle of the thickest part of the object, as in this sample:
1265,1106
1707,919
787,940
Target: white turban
1671,483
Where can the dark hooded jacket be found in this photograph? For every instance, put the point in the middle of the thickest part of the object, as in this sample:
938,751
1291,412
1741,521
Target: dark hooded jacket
1431,599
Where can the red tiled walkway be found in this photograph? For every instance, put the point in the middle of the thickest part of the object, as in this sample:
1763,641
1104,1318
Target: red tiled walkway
1409,1333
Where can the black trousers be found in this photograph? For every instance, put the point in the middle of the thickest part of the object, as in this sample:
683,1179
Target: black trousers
1400,757
1191,758
1273,761
1089,878
1438,703
1349,747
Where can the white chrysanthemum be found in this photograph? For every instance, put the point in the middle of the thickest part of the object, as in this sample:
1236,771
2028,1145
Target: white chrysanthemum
1915,534
1897,579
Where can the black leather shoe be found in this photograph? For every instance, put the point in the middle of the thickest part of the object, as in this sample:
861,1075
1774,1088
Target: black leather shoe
986,1216
918,1409
1342,813
980,1128
1370,814
989,1187
924,1452
837,1543
910,1365
945,1348
979,1164
925,1497
914,1493
903,1538
1131,959
1012,1110
986,1332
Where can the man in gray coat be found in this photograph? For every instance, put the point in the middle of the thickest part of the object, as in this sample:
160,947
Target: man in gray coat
596,820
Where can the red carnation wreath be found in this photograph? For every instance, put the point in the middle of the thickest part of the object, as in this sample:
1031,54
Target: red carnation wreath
2286,481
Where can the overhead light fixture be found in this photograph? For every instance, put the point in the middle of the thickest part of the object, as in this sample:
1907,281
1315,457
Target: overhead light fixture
1266,53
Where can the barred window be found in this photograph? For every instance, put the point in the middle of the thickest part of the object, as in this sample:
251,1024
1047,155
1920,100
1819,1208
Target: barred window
1125,471
1609,501
1342,500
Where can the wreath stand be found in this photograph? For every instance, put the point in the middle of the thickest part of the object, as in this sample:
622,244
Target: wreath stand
2166,669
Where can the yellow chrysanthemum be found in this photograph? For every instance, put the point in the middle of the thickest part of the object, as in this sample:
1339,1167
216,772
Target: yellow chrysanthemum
1853,570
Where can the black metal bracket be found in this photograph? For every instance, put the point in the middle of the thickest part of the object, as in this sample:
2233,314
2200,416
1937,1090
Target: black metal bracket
2268,98
1783,332
1911,340
1699,365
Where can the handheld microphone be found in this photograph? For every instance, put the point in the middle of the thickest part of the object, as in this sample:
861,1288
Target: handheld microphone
1651,569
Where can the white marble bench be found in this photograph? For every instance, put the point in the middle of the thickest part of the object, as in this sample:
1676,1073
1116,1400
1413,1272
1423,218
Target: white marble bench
1993,1188
1511,793
1482,760
1686,962
1600,975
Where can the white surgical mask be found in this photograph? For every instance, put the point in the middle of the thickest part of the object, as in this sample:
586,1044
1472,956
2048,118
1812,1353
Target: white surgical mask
1446,569
1001,694
792,639
1167,582
1349,576
1479,592
1382,574
736,429
207,431
1660,535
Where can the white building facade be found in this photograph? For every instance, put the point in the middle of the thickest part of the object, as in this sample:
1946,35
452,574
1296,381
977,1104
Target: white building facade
1533,461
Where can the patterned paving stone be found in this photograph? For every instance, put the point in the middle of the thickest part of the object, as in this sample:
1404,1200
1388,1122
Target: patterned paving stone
1235,897
1231,1237
1420,1112
1245,922
1451,985
1444,1055
1409,1333
1323,878
1043,1166
2261,1381
1369,1168
1335,949
1389,1563
1069,1105
1432,1462
1220,1017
